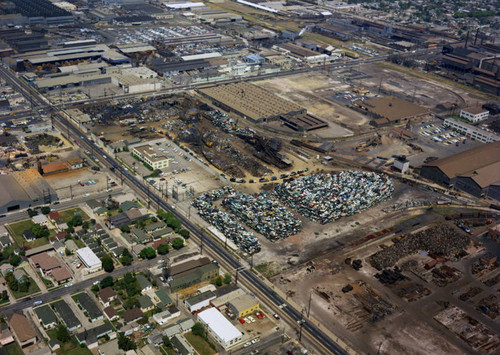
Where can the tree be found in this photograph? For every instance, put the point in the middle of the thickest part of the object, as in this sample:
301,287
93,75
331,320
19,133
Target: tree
227,278
24,286
147,253
107,282
77,220
126,258
85,225
5,295
62,333
32,213
154,219
40,231
92,221
15,260
184,233
177,243
198,329
218,281
131,302
107,263
45,210
125,343
125,229
173,223
163,249
166,342
67,252
95,288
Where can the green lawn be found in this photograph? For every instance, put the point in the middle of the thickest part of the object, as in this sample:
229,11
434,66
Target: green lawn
79,243
32,289
70,347
78,351
201,346
67,215
16,231
14,349
47,283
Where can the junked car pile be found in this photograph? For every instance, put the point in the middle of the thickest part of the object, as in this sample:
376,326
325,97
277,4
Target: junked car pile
327,197
264,214
224,222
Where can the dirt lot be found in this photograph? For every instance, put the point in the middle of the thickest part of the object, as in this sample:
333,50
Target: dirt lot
309,91
426,92
61,182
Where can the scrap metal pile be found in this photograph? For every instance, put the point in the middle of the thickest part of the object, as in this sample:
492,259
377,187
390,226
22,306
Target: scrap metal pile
224,222
439,240
327,197
263,214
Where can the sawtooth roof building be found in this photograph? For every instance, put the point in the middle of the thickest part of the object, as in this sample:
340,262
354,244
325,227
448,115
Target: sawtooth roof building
23,189
475,171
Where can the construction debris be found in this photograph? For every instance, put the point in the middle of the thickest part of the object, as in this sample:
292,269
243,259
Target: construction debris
439,240
327,197
476,334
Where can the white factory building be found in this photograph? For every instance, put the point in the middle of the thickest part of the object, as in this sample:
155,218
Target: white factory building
148,155
474,114
226,334
471,131
91,262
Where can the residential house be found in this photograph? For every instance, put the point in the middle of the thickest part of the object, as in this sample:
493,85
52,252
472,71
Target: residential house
165,316
140,236
5,241
40,219
171,330
127,205
61,236
111,313
106,295
28,235
144,283
89,337
59,247
22,330
110,348
94,205
155,226
66,315
182,345
54,216
145,303
132,315
130,328
88,305
155,338
186,324
5,334
165,232
61,275
162,298
71,245
46,316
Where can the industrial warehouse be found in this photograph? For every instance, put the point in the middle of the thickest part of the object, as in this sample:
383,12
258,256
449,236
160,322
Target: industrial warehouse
251,101
475,171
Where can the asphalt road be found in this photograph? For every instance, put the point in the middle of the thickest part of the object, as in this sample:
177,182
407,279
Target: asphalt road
62,205
76,287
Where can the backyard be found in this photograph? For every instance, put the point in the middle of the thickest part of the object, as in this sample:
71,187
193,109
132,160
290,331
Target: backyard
70,347
16,231
67,215
14,349
33,288
200,344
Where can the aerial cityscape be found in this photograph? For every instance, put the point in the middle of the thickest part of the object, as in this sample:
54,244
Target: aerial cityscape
249,177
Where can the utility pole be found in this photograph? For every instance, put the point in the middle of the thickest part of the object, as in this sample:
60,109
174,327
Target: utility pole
71,191
201,244
309,307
